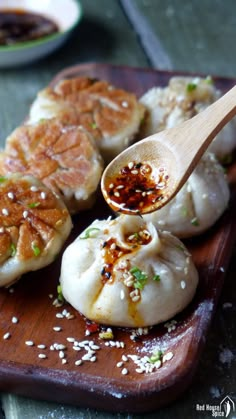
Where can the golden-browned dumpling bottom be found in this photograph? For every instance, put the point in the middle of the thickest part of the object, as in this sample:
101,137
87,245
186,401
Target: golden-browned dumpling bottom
64,158
111,115
34,225
124,272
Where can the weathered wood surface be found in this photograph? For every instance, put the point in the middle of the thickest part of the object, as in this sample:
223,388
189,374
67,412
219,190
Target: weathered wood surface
196,36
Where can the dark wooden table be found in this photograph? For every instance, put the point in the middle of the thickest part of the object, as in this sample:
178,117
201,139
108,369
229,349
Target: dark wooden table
196,36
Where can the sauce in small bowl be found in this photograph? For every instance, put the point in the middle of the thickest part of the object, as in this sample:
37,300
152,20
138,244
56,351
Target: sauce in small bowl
31,29
21,26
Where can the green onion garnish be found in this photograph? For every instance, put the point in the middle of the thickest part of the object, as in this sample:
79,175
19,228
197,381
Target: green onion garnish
33,204
89,233
140,277
35,249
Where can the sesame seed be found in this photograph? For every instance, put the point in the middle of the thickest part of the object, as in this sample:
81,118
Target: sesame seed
59,315
124,371
76,348
57,329
10,195
14,320
119,364
120,187
41,346
222,269
2,229
6,336
70,339
117,194
140,370
124,358
122,295
125,104
34,188
111,185
61,354
136,298
130,165
183,284
93,359
167,357
95,347
25,214
43,195
78,362
5,211
42,356
86,357
134,172
29,343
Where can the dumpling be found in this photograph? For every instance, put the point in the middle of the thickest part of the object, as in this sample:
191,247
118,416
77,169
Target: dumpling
183,98
124,272
34,225
64,158
111,115
199,203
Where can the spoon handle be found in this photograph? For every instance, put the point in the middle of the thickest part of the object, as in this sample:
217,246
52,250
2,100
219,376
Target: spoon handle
197,133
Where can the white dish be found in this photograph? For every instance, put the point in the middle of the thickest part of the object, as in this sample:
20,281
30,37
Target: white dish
65,13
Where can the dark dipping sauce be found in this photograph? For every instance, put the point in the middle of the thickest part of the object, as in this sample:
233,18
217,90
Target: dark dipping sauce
18,26
135,188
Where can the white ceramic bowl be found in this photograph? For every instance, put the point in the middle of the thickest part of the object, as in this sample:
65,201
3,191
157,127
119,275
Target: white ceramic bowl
66,13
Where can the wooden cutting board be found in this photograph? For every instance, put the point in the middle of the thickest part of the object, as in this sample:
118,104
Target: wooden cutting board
101,384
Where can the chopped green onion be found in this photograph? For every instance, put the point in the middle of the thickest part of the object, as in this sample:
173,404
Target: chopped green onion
35,249
184,211
2,178
191,86
180,247
156,356
140,277
87,233
13,249
60,296
156,278
195,222
33,204
94,125
209,80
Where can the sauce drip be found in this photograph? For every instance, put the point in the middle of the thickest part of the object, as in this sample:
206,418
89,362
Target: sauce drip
18,25
113,252
135,189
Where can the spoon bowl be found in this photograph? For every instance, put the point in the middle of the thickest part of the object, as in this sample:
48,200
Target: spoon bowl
148,174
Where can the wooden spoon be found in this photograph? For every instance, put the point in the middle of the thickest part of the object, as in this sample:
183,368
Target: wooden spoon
147,175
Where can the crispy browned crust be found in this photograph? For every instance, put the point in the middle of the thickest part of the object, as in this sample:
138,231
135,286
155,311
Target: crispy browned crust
30,217
100,108
62,157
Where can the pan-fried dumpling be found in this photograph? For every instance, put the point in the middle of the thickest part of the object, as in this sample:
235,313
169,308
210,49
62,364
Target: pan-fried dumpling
183,98
111,115
34,224
199,203
124,272
64,158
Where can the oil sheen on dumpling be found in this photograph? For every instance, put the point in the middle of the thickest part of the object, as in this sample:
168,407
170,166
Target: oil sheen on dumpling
111,115
183,98
199,203
124,272
34,224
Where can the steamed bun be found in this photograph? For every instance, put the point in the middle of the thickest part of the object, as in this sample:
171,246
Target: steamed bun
199,203
124,272
183,98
